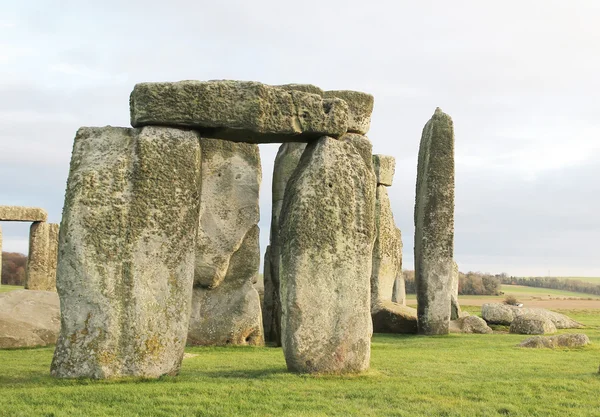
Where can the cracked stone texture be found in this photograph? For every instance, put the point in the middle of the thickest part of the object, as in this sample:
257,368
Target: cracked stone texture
562,340
434,225
231,176
22,214
327,232
469,324
243,111
286,161
43,256
385,167
454,305
126,252
28,318
387,251
360,108
399,290
230,313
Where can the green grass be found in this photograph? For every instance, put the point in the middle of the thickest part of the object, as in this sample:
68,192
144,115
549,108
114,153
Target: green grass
6,288
456,375
532,291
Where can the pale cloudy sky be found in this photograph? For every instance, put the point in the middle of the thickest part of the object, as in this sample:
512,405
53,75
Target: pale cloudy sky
521,80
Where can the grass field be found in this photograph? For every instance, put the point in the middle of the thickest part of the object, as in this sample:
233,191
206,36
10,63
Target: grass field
5,288
456,375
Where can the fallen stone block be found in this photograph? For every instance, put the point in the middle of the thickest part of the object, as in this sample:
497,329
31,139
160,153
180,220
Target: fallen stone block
532,324
390,317
561,341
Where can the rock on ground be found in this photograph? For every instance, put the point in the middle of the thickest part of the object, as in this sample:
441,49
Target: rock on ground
392,317
532,324
43,256
28,318
22,214
286,161
126,252
327,234
497,313
470,324
562,340
239,110
231,176
230,313
434,224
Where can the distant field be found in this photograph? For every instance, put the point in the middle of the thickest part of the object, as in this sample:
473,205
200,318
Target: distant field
6,288
543,292
593,280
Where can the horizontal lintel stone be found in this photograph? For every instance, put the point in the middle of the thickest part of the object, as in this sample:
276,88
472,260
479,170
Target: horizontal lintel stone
22,214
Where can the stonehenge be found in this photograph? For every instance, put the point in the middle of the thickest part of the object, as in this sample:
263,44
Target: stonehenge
327,233
159,237
43,246
434,225
126,252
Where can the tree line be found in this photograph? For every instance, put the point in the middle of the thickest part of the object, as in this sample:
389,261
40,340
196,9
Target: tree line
564,284
471,283
13,268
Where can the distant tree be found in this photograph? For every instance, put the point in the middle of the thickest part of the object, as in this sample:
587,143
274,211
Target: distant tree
13,268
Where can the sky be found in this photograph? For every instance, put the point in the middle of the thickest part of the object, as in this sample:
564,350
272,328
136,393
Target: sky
519,78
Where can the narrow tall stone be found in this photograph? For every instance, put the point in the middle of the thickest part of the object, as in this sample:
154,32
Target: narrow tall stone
434,224
327,234
126,252
454,305
0,255
399,290
226,306
286,161
43,254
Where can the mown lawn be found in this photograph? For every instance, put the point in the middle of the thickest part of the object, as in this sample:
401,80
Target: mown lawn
456,375
6,288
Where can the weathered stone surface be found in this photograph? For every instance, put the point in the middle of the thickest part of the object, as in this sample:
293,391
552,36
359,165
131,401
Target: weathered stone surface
560,341
286,161
454,305
392,317
28,318
126,252
470,324
496,313
327,234
360,108
0,255
22,214
532,324
230,313
307,88
385,167
231,176
43,255
434,224
239,110
399,290
387,251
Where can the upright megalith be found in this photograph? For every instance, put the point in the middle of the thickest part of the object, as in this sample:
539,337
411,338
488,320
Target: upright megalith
399,290
327,233
126,252
226,306
243,111
286,161
454,305
434,225
43,254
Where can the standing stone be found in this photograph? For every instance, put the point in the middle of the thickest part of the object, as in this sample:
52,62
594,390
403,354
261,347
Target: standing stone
454,305
385,252
126,252
327,234
0,255
385,167
434,225
43,254
286,161
399,291
239,110
226,306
